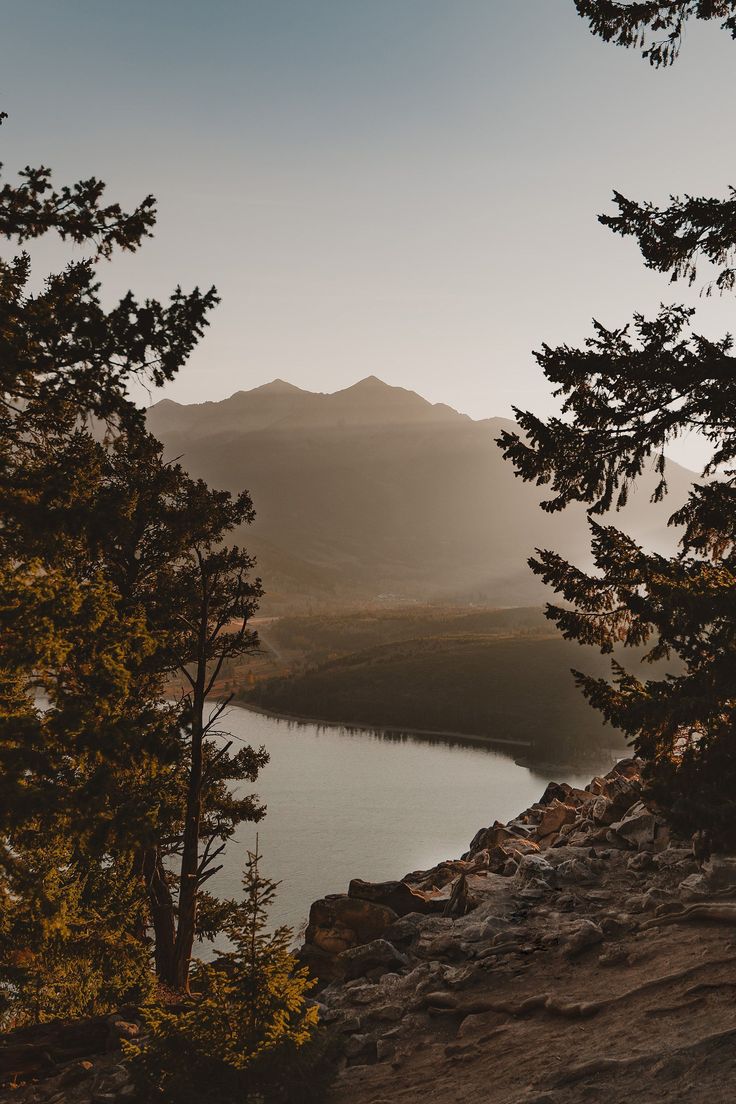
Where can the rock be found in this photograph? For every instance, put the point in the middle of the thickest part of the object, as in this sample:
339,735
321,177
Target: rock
480,1024
556,791
720,872
615,923
555,816
440,947
374,958
73,1075
387,1013
338,922
461,899
361,994
577,871
628,768
361,1049
385,1049
717,876
486,838
643,861
321,964
511,849
398,896
616,798
672,856
119,1030
534,872
582,935
638,828
655,897
614,956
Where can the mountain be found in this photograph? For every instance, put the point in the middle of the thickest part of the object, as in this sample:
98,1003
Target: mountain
374,493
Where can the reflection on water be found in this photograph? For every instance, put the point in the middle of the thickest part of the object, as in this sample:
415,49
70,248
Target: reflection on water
346,803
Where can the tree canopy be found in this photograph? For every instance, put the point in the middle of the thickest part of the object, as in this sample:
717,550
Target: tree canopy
118,578
656,26
624,397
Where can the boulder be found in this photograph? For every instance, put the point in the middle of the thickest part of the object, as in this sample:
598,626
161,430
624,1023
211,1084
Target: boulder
499,855
577,872
556,791
398,896
718,876
619,793
321,964
338,922
554,817
534,872
372,959
486,838
582,935
638,828
721,872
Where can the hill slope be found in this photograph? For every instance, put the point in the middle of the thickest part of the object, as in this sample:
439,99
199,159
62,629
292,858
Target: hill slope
374,491
506,688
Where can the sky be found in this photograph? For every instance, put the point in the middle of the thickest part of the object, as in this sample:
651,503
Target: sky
400,188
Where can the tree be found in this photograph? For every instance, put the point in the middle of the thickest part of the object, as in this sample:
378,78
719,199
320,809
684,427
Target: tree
210,600
94,535
151,539
243,1036
61,953
625,395
628,24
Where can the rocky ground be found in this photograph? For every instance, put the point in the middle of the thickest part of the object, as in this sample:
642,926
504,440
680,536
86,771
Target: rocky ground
80,1062
575,954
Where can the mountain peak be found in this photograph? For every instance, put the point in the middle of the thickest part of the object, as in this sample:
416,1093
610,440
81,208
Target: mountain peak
370,381
277,387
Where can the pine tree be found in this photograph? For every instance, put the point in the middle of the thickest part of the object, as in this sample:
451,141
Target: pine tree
68,940
98,538
625,395
656,26
242,1038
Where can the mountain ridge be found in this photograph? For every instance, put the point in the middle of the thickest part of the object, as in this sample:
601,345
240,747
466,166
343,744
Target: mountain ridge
373,490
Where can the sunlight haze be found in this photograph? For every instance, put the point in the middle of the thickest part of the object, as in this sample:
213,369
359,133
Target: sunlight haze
395,188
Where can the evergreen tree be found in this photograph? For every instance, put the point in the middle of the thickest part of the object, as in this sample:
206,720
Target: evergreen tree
68,940
656,26
149,776
625,395
98,538
243,1036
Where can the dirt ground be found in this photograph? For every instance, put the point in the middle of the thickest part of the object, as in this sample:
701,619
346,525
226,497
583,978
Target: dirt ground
668,1033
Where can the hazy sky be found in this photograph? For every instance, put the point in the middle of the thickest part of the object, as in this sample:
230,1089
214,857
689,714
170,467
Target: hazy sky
405,188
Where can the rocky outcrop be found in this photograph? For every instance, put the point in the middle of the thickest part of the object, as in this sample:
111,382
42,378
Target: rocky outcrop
508,975
539,850
568,888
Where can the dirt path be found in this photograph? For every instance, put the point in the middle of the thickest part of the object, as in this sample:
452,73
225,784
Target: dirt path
672,1041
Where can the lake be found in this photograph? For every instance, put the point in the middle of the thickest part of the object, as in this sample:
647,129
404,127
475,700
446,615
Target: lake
355,803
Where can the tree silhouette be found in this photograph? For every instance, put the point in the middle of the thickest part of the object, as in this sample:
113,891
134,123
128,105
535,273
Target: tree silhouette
625,395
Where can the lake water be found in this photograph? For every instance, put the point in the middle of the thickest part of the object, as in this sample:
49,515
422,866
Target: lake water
354,803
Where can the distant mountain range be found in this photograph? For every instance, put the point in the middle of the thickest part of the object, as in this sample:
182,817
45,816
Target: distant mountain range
374,494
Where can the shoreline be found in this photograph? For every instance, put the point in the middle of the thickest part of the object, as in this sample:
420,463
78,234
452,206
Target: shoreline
430,735
389,729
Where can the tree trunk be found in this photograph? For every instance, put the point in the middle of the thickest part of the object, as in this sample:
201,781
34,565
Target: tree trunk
188,882
161,905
